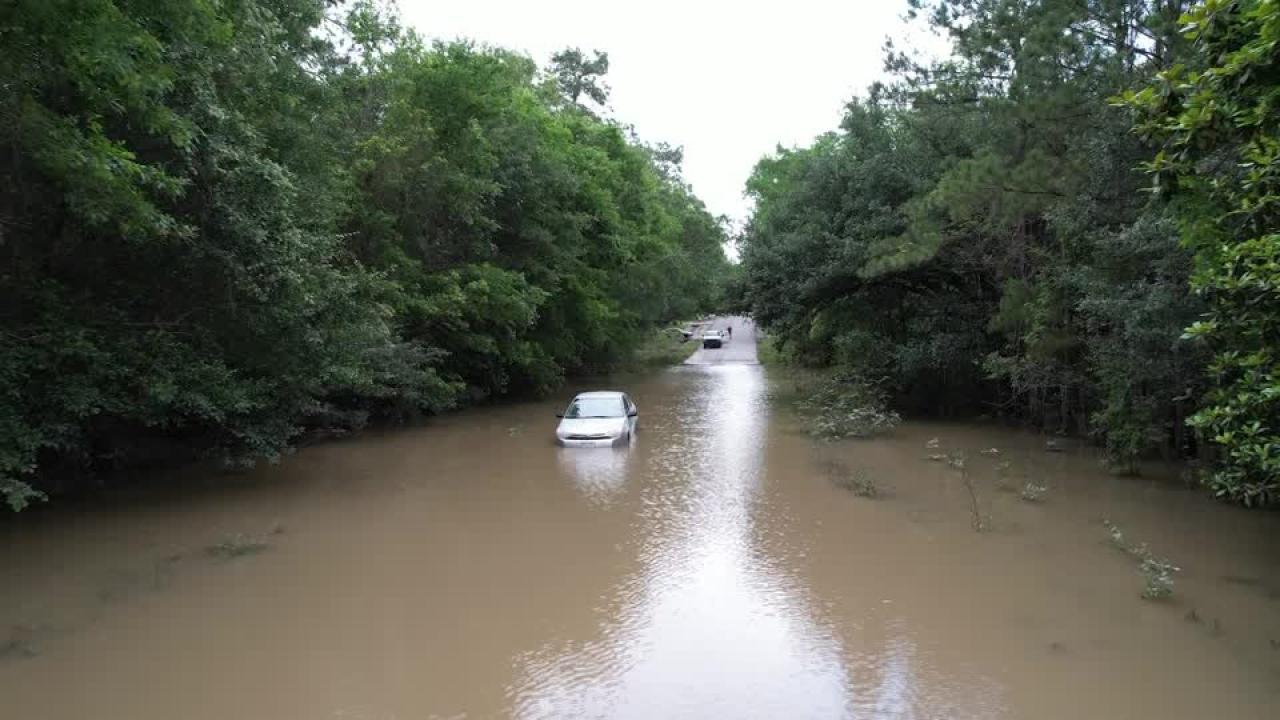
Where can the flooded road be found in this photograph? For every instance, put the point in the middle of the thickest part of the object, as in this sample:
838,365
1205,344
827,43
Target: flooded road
471,569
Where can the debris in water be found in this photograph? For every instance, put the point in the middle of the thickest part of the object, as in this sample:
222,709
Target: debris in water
990,452
932,444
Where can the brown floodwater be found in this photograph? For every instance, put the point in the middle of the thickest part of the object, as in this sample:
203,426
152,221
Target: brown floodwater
471,569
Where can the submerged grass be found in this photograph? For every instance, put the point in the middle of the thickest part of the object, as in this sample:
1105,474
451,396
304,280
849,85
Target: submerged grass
1157,572
832,404
1004,470
856,480
1033,491
238,545
960,463
844,407
663,347
18,644
767,352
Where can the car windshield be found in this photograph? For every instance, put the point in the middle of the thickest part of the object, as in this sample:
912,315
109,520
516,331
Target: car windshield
596,407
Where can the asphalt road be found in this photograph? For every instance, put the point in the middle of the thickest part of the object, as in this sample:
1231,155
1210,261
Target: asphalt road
741,350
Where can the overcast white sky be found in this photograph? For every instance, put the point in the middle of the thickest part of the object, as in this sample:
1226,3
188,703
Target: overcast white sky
728,81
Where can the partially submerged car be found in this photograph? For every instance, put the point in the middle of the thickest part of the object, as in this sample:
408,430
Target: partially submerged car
598,419
713,339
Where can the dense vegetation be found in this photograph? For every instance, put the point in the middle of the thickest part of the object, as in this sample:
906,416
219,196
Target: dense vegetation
226,222
979,235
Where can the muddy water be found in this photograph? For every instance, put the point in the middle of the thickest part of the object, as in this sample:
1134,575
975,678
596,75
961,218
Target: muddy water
470,569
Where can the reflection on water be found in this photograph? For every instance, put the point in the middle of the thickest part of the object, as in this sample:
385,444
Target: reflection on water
599,473
709,620
710,570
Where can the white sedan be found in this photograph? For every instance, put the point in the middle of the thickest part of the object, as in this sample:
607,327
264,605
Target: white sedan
598,419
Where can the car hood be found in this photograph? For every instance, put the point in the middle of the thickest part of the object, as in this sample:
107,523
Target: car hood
591,426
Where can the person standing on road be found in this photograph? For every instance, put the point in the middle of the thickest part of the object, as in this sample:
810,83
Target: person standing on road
730,332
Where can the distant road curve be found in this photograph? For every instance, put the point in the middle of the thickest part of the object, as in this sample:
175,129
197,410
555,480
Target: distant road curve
741,350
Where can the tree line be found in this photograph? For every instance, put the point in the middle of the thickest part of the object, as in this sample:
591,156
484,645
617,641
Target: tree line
226,223
1072,221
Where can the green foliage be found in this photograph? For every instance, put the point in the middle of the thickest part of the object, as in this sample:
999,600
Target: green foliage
1217,126
975,236
844,407
576,75
226,224
767,351
663,347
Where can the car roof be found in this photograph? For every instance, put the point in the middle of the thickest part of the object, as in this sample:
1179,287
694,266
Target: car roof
600,393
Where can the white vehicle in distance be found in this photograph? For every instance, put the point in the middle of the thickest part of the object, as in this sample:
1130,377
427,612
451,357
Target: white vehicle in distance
713,339
597,419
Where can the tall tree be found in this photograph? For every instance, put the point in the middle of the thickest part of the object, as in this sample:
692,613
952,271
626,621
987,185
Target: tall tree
578,76
225,224
975,236
1216,121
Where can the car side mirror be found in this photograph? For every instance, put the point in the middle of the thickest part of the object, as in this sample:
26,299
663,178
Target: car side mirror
560,415
633,413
